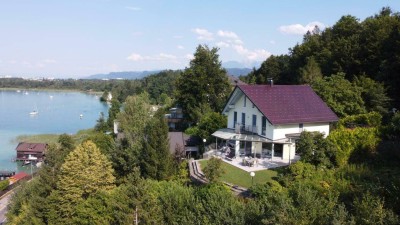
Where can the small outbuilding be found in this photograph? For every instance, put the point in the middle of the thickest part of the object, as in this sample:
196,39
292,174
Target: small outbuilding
179,141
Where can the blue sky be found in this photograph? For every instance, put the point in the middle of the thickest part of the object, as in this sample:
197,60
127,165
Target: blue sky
72,38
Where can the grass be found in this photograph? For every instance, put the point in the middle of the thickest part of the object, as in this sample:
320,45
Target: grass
53,138
240,177
39,138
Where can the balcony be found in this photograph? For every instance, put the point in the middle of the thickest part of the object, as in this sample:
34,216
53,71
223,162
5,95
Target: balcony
246,129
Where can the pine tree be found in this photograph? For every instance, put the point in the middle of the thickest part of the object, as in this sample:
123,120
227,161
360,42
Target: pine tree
156,160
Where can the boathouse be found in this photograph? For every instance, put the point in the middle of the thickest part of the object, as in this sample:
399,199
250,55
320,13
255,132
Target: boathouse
31,151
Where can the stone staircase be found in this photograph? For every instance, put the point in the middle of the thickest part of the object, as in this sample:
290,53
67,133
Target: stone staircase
198,177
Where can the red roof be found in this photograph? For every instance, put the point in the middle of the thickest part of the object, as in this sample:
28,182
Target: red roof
18,176
285,104
31,147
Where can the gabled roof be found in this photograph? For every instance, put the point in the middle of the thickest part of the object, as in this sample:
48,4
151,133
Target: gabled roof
285,104
31,147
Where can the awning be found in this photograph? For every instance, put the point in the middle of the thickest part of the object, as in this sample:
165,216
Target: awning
230,134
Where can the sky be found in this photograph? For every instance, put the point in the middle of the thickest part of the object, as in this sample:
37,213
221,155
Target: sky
76,38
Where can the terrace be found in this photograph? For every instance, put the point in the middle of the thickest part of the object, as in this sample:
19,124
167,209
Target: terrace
252,164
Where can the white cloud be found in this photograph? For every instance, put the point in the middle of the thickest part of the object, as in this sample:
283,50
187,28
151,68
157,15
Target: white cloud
299,29
160,57
252,55
163,56
133,8
189,56
203,34
222,44
180,47
227,34
135,57
238,41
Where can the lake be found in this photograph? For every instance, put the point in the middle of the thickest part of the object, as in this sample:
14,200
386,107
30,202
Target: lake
58,112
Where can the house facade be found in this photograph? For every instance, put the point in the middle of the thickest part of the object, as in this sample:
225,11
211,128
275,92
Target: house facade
174,118
266,120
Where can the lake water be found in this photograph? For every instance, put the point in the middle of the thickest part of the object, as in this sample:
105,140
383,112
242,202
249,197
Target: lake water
58,112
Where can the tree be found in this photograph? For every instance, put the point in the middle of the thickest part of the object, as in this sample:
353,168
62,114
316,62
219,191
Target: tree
310,72
155,159
204,82
84,173
112,112
315,149
209,123
340,95
66,142
133,120
213,170
370,210
104,142
275,68
4,184
101,125
373,94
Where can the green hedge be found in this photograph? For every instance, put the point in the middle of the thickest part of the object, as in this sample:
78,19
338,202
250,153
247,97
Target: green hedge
348,141
4,184
372,119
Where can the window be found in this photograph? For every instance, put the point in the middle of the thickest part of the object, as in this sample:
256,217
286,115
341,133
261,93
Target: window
300,127
244,103
234,119
243,119
254,128
263,125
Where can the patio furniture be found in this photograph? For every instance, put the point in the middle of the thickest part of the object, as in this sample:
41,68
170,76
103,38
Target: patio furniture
249,161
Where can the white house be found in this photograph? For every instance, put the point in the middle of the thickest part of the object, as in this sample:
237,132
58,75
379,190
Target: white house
265,120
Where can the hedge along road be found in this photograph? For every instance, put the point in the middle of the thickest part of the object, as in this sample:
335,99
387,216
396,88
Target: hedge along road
4,200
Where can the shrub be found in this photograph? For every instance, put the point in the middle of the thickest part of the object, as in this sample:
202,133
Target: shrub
372,119
4,184
357,143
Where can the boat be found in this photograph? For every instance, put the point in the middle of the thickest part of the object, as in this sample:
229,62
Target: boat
34,112
80,116
26,162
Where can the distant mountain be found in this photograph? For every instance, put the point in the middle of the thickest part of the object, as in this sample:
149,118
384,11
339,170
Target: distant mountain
236,64
132,75
128,75
238,71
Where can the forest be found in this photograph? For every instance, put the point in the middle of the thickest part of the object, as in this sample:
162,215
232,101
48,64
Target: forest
350,177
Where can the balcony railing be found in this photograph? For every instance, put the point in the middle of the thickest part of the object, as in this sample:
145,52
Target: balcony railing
242,129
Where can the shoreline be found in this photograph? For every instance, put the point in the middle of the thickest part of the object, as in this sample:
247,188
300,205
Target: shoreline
50,89
80,135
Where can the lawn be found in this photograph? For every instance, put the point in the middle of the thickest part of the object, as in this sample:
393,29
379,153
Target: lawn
53,138
240,177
